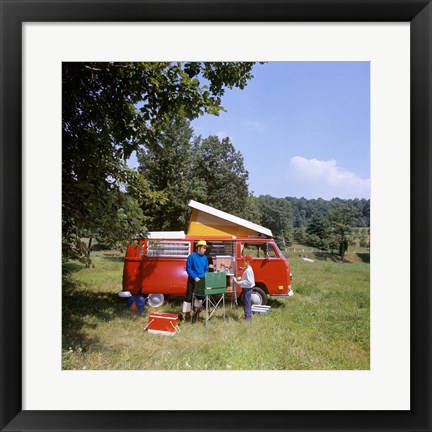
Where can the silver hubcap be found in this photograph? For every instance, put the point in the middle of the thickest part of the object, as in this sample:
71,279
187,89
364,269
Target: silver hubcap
256,298
155,300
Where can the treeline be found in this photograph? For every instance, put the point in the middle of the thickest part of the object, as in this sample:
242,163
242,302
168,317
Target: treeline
304,209
331,225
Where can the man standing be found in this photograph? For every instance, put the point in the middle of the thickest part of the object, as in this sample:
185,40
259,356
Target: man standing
196,268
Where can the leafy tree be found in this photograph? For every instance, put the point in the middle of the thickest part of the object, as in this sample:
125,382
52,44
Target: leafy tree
276,214
168,168
220,168
364,238
318,225
318,231
303,210
111,110
299,234
342,218
252,210
299,219
91,204
183,168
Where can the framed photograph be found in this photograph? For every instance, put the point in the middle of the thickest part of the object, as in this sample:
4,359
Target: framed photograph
37,36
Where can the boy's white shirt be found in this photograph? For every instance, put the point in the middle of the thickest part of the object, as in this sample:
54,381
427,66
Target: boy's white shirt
248,278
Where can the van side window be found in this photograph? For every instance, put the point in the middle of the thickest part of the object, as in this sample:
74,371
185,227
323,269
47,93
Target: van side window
163,248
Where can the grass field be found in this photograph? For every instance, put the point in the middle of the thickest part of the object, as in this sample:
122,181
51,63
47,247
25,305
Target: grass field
324,326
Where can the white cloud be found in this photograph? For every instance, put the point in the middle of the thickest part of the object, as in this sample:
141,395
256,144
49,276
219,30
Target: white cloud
313,178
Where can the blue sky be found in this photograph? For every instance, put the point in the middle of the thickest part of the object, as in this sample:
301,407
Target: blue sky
303,129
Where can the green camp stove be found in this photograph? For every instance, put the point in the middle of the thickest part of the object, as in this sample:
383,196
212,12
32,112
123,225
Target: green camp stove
212,283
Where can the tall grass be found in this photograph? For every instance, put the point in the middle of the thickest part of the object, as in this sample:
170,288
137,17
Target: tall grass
324,326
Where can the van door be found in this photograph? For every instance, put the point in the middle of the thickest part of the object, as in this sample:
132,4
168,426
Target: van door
269,268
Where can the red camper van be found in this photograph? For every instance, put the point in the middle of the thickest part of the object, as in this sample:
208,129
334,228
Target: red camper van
156,264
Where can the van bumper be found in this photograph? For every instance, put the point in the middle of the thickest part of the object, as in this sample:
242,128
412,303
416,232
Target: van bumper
289,294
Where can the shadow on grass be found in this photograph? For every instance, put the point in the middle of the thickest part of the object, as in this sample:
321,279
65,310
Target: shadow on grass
79,306
112,258
275,303
175,301
174,305
69,268
327,256
365,257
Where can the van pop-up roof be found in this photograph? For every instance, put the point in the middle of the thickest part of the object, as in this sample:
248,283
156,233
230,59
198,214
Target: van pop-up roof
208,221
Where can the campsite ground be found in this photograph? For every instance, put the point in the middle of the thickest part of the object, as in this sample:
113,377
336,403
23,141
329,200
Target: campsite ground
324,326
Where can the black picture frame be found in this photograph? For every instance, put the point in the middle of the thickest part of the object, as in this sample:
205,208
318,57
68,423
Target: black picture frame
16,12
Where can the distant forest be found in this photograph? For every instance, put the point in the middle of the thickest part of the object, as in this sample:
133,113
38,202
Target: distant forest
327,225
304,209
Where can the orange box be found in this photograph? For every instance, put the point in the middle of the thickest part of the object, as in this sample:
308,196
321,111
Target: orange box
163,323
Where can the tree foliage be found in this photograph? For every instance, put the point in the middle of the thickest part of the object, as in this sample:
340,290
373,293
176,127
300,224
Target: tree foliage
329,225
184,167
252,210
319,231
276,214
111,110
220,168
342,220
168,169
305,209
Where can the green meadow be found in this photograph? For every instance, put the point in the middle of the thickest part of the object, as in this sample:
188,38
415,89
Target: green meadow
324,326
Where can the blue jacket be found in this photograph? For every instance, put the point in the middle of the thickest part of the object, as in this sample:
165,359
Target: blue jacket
196,265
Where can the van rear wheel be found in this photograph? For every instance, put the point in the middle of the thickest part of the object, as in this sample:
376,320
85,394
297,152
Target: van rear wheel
259,296
155,300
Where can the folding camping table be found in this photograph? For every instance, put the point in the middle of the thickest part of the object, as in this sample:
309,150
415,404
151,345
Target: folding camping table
213,288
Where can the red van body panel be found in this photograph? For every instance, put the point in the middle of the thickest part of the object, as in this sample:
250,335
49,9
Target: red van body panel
146,274
164,276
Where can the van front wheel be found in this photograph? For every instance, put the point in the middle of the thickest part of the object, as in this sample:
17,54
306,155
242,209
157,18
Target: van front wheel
259,296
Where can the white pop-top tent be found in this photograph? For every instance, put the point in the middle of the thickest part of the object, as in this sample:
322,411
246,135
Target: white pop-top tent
208,221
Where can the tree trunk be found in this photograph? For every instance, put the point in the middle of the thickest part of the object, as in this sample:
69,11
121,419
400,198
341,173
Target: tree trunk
88,260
